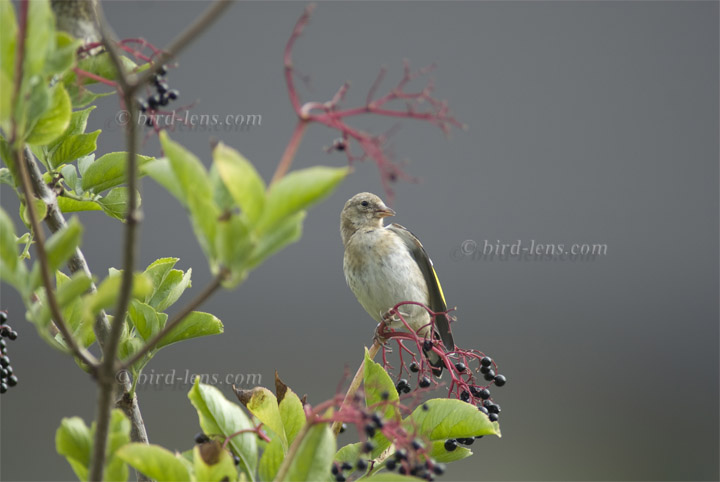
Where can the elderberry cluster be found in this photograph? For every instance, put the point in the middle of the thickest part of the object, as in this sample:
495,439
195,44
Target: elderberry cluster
487,405
161,97
7,377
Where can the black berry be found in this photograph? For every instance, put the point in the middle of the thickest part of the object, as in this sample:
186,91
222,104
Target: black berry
500,380
425,407
424,382
483,409
385,395
490,376
390,464
484,394
464,396
450,445
343,427
377,420
460,367
368,446
173,94
12,381
417,444
401,454
13,335
427,345
3,387
414,367
361,464
4,361
346,466
486,361
201,438
493,417
236,459
439,469
370,430
334,469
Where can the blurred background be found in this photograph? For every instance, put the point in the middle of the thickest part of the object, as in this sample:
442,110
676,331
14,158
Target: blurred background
589,122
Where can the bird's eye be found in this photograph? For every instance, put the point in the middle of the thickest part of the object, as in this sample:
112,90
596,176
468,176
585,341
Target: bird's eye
365,203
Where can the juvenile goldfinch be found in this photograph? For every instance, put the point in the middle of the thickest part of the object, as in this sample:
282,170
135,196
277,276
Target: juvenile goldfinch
386,265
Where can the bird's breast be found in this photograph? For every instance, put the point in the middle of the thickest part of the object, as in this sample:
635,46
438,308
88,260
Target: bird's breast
381,273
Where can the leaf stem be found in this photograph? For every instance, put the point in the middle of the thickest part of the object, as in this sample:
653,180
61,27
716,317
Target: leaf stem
355,384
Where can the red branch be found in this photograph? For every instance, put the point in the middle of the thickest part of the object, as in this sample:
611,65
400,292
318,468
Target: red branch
418,105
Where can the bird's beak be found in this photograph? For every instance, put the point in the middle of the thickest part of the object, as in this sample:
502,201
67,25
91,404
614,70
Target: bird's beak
384,212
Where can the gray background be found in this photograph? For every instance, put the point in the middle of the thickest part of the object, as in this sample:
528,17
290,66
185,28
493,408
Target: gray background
589,123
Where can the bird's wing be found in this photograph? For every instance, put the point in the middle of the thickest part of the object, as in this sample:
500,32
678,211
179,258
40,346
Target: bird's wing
435,293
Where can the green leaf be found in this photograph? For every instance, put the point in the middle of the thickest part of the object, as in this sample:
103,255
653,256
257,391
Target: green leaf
115,203
234,245
54,121
196,191
271,459
59,248
220,417
378,383
157,271
78,124
109,290
146,320
264,405
74,442
64,55
292,414
69,174
446,418
68,205
297,191
173,284
314,455
69,290
118,435
195,325
69,297
74,147
8,247
102,66
40,38
242,181
219,466
161,172
81,96
40,211
155,462
8,35
288,231
108,171
6,100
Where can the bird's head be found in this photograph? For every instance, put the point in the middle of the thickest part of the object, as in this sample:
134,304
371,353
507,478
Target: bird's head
362,211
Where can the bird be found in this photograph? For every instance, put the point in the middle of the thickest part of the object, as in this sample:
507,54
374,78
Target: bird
387,265
78,18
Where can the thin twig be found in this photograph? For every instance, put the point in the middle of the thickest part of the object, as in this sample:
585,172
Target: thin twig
290,151
355,384
179,317
128,86
77,263
292,451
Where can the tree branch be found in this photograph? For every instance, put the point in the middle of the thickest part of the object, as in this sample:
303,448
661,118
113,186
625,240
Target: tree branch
128,85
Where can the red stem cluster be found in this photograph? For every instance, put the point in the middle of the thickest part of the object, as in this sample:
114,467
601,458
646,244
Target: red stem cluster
418,105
